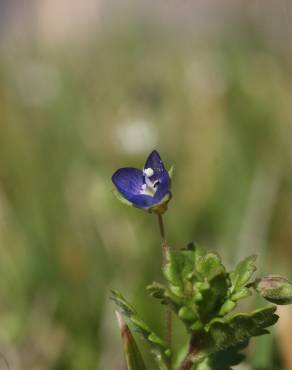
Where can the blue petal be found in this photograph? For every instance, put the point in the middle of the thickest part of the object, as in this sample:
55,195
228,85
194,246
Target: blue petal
129,181
142,201
160,173
163,187
155,162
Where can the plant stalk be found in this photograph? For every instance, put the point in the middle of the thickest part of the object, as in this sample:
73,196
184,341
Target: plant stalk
168,318
187,362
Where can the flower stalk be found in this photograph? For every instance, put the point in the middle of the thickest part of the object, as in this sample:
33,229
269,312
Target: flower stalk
168,317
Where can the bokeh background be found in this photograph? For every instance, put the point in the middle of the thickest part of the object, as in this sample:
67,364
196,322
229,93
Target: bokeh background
88,86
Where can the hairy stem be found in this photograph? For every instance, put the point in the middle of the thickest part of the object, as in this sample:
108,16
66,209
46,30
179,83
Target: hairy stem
192,350
168,319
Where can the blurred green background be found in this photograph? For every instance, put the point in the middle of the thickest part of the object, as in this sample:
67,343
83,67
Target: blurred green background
89,87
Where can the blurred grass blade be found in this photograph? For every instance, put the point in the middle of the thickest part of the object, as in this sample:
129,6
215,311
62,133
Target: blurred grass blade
133,356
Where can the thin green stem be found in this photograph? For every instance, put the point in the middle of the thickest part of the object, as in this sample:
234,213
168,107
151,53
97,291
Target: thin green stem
168,318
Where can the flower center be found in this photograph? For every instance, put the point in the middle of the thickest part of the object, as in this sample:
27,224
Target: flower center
149,187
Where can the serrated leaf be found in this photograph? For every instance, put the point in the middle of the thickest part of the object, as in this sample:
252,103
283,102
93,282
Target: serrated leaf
180,272
241,327
198,285
241,276
158,346
210,266
222,360
265,317
179,264
157,290
133,356
214,297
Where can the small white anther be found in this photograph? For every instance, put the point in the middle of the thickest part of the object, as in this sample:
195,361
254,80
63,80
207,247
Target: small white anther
148,172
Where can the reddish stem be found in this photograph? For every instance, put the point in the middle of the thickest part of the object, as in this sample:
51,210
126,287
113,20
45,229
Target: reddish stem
187,362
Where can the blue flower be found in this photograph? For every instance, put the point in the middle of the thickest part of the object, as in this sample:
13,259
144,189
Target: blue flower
148,189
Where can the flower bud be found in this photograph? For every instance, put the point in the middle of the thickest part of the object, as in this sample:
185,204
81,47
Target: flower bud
275,289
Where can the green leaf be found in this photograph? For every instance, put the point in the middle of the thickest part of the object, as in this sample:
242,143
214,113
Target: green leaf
240,328
198,286
156,290
240,277
158,346
241,294
214,298
133,356
227,307
178,265
214,359
222,360
181,265
210,266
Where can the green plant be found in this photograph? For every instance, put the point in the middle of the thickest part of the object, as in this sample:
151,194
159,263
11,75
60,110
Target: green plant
198,289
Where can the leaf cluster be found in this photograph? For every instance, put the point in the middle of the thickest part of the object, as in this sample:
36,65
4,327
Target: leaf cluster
199,287
202,294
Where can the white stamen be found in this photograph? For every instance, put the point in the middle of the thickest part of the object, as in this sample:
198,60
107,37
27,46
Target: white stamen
148,172
150,187
148,191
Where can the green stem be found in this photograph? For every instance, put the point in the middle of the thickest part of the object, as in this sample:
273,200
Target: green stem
168,318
